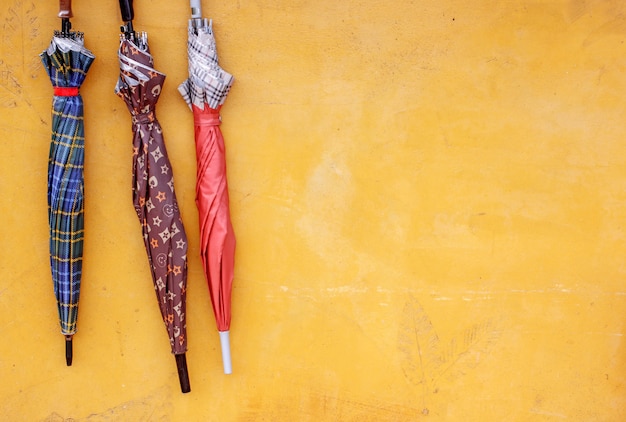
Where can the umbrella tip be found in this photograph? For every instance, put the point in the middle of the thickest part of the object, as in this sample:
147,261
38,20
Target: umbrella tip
68,350
226,360
183,374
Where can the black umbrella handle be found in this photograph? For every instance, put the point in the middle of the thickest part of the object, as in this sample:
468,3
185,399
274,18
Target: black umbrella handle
126,6
128,14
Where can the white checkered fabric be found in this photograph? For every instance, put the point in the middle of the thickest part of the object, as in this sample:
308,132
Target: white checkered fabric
208,83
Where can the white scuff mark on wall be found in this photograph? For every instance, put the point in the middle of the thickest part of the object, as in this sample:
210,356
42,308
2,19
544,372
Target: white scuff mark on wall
445,295
542,291
469,299
327,199
347,289
329,291
545,413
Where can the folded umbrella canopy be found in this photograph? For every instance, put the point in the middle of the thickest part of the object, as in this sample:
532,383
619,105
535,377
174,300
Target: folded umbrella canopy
139,85
66,61
205,91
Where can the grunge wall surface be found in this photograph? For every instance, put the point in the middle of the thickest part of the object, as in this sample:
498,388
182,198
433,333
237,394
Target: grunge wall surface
429,200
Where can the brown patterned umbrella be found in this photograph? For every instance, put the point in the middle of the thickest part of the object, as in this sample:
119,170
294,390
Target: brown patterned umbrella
139,85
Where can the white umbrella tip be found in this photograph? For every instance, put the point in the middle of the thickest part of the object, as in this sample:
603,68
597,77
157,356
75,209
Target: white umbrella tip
225,343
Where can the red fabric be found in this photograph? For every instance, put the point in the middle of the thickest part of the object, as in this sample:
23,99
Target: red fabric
62,91
217,238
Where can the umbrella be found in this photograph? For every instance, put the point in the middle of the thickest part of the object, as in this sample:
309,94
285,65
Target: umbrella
205,91
66,62
139,85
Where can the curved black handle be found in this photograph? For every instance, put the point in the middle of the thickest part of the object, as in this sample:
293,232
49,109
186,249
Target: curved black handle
126,6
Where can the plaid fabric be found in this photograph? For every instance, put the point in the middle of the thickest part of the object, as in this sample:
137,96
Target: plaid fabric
208,82
66,61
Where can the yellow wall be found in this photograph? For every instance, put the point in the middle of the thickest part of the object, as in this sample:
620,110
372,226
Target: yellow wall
429,199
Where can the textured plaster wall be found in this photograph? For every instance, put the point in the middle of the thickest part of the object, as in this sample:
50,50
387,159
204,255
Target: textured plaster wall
429,199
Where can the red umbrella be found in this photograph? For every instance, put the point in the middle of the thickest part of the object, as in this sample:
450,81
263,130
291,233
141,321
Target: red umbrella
139,85
205,91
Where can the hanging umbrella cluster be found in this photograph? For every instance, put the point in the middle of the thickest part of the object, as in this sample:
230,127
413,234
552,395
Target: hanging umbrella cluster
66,62
154,199
205,91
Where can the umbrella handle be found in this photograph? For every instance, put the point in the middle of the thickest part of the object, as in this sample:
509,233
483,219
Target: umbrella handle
65,13
128,14
196,9
65,9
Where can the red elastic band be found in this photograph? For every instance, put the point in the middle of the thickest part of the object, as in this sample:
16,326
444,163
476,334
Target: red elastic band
62,91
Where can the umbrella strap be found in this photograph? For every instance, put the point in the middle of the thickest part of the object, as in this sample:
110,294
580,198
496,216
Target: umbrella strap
148,117
211,119
65,91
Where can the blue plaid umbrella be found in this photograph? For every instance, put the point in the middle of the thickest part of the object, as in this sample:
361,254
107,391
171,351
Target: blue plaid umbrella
66,61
